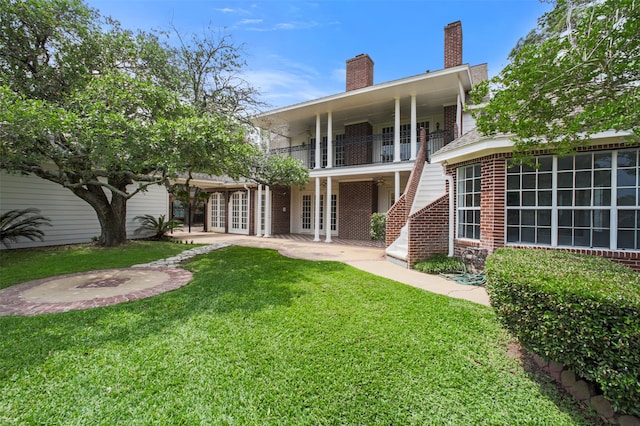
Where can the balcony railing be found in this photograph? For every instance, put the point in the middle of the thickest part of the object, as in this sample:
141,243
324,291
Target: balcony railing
372,149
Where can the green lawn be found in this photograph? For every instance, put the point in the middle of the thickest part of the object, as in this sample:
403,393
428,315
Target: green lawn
257,338
17,266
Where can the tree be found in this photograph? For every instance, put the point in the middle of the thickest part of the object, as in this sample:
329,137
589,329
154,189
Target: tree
104,112
577,74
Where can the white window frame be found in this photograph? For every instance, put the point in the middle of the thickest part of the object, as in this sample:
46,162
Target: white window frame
595,191
469,208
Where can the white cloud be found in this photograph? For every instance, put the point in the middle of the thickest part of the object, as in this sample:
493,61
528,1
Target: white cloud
280,88
250,21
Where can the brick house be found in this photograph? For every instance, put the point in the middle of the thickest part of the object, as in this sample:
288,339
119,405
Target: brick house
361,146
585,203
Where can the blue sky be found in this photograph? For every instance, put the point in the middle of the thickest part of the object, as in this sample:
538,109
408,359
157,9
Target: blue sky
296,50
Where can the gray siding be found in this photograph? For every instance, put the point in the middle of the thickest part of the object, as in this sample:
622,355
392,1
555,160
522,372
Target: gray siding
73,220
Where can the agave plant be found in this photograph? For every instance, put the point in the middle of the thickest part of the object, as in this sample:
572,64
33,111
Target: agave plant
22,223
159,226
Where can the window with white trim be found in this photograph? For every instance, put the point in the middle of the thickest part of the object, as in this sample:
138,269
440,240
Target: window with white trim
585,200
468,182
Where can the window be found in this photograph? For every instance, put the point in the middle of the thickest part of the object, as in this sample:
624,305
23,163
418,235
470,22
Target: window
584,200
529,202
469,202
323,153
628,198
339,151
405,140
334,212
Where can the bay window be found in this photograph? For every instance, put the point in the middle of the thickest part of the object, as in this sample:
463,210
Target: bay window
469,202
585,200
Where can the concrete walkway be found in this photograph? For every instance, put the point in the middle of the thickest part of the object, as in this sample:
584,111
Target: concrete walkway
361,256
102,288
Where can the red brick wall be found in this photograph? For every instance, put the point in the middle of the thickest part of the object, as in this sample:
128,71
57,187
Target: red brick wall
396,218
359,72
429,231
358,152
492,202
492,217
450,125
280,220
453,44
399,212
357,201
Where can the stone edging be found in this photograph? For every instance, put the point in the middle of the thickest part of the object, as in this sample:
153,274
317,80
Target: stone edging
585,392
173,262
13,303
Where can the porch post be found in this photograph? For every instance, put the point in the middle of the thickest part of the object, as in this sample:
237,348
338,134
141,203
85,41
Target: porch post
329,140
316,224
397,186
414,128
267,212
459,105
327,212
318,142
396,134
259,212
248,211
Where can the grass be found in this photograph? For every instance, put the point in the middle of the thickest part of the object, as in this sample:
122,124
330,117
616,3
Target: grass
257,338
17,266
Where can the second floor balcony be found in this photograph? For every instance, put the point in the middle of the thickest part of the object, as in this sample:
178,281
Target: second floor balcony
372,149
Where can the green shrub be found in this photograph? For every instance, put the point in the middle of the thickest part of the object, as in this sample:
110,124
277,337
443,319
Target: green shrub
16,224
159,226
440,264
378,225
581,311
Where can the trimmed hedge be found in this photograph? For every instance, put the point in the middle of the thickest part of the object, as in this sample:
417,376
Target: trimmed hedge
440,264
578,310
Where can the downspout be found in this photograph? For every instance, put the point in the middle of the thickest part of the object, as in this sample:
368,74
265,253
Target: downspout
449,180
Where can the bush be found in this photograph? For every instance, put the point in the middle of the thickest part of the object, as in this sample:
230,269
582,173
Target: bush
378,225
580,311
16,224
440,264
158,226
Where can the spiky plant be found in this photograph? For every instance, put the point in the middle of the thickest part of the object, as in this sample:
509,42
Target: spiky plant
158,225
22,223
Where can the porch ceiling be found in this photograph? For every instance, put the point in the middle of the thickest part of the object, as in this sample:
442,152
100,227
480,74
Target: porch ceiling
375,104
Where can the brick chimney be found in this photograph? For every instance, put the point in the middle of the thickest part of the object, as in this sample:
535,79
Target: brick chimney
453,44
359,72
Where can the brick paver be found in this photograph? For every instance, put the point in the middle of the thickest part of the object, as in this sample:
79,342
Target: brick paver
14,302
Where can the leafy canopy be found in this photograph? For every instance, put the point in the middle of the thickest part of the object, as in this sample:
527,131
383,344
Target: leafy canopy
576,75
96,108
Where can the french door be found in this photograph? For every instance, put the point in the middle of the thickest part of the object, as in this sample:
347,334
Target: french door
218,212
239,213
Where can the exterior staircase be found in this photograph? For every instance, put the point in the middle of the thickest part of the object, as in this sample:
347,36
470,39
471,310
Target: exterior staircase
431,186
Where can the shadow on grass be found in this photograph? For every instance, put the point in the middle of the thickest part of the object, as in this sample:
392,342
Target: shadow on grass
232,281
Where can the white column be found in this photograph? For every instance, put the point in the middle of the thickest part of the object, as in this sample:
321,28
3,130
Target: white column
267,212
414,127
396,134
459,106
396,187
259,212
329,140
318,141
327,212
248,210
316,224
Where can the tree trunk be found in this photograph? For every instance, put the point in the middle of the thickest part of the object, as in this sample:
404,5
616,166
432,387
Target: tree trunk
112,214
113,222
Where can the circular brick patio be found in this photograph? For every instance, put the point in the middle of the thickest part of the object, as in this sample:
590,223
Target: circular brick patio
89,289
